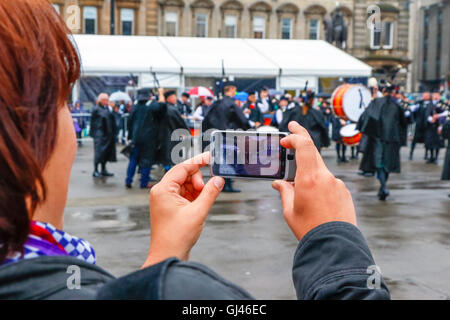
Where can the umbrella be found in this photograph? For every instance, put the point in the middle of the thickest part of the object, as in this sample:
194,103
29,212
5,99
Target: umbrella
241,96
201,92
120,96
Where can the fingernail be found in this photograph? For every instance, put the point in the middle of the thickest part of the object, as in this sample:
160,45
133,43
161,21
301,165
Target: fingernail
219,182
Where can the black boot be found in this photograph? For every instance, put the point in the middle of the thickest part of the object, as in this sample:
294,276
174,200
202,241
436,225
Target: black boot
338,152
105,172
413,146
344,149
382,176
229,187
354,156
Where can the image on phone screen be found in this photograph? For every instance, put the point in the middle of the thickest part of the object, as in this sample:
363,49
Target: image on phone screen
252,155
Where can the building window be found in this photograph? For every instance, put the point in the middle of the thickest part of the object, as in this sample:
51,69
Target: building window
286,28
314,29
388,35
230,26
201,25
90,20
56,6
375,39
171,24
259,27
127,19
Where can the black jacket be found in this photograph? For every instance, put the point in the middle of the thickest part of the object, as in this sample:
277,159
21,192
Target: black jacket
143,130
432,138
255,113
103,130
420,120
313,121
446,136
332,261
225,114
169,121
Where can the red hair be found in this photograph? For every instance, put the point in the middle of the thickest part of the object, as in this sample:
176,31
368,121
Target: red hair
38,67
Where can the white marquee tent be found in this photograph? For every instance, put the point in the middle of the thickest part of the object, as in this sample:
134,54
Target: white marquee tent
291,62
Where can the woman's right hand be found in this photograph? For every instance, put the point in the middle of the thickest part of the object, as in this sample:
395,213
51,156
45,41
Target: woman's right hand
316,197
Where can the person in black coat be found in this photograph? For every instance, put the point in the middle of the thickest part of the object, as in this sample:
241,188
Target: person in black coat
383,122
255,116
446,135
169,121
433,141
311,119
223,115
103,131
420,120
367,166
143,132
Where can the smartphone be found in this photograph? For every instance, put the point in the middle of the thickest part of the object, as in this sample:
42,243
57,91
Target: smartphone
251,155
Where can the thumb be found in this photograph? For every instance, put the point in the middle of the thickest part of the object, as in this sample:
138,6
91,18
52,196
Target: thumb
209,194
286,191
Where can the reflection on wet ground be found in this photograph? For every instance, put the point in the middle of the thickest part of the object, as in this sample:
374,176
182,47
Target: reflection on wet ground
247,241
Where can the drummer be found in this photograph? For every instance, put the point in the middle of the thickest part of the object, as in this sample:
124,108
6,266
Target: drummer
337,123
311,119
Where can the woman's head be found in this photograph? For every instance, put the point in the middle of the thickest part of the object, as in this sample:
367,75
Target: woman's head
38,66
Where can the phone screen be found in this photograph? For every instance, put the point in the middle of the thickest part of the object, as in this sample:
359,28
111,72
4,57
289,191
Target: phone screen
252,155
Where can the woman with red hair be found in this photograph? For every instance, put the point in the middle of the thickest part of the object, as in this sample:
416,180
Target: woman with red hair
38,260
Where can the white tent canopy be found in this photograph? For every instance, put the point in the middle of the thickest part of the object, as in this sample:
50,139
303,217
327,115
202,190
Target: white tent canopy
292,62
124,55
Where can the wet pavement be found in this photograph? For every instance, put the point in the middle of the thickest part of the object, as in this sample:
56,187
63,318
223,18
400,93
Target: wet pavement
247,241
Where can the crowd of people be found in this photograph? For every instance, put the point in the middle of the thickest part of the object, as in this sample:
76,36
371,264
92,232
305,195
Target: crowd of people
391,119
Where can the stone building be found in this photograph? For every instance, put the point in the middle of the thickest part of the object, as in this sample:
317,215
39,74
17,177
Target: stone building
430,45
386,50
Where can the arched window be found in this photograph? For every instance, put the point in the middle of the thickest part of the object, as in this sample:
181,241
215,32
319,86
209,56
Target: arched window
170,13
314,16
260,18
202,11
384,37
231,12
287,20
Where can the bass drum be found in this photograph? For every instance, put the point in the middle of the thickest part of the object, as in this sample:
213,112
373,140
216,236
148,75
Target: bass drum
350,136
350,100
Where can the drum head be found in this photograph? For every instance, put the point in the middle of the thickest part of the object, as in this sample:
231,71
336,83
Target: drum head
267,129
356,100
349,130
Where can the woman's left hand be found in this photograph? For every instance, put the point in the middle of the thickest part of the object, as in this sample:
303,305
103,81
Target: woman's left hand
179,205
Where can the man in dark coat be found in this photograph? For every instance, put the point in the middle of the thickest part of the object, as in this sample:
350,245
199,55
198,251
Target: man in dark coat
311,119
420,120
255,116
446,136
383,122
223,115
103,131
143,132
367,166
433,141
169,121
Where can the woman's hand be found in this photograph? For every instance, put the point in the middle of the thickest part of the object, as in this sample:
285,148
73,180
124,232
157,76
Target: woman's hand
179,205
317,196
